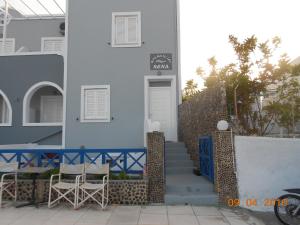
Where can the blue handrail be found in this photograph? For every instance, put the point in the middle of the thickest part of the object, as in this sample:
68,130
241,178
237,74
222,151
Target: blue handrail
131,161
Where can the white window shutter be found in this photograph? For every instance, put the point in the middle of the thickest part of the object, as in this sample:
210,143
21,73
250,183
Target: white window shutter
96,104
53,45
120,30
9,46
132,29
3,111
51,109
127,29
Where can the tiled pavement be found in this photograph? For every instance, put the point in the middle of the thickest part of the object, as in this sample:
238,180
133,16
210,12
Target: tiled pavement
127,215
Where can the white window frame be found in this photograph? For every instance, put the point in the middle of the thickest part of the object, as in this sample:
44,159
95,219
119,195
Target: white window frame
139,30
26,101
13,43
82,104
9,108
52,39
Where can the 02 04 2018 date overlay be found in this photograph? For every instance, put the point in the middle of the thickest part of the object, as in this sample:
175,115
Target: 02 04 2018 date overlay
253,202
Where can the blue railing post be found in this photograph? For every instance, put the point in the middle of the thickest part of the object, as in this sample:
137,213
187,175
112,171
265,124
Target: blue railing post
103,158
39,158
19,158
125,161
81,156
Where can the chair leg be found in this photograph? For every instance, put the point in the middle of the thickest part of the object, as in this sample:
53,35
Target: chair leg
49,199
75,199
1,192
16,190
103,193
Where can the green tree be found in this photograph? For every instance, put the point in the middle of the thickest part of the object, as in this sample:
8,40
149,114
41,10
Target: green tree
286,104
247,79
190,90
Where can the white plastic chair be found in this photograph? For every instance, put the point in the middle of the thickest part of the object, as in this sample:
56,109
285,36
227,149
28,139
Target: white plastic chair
9,169
63,189
90,191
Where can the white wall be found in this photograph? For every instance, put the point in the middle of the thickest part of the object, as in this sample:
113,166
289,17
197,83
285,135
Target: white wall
266,166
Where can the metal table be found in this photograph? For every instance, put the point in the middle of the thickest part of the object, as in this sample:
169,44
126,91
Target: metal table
34,172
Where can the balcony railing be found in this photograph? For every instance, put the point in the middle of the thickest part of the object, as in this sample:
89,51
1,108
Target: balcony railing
130,161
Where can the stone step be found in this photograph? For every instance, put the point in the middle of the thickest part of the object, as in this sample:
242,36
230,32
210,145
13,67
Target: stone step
179,170
177,156
175,150
210,199
190,189
179,163
169,153
174,144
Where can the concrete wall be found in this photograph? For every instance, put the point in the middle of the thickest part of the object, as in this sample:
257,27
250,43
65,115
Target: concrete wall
28,33
266,166
92,61
17,75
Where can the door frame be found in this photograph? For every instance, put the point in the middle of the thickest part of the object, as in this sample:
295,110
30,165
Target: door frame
147,80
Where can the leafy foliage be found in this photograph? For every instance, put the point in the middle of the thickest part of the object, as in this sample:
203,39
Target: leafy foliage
190,90
247,80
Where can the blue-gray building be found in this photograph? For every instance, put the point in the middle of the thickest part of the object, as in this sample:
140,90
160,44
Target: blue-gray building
100,79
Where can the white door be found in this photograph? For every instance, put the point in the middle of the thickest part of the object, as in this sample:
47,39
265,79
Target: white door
51,109
161,110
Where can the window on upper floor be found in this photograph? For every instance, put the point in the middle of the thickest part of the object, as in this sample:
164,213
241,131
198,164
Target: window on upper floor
9,46
126,29
95,103
53,44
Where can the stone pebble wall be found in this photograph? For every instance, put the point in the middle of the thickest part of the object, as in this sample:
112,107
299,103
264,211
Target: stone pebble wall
127,192
156,167
199,117
225,179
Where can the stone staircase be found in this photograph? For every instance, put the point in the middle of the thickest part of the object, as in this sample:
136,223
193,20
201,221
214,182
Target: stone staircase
182,186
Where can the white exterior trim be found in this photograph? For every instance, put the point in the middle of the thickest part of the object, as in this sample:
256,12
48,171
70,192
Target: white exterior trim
38,18
147,80
179,52
6,100
31,53
65,74
42,124
139,31
51,39
27,99
82,104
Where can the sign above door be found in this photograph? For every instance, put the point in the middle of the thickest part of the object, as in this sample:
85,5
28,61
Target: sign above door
161,61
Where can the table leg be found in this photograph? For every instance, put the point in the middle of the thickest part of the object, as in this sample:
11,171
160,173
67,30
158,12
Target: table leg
33,197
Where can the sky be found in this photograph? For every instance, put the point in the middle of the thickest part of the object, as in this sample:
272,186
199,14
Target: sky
206,25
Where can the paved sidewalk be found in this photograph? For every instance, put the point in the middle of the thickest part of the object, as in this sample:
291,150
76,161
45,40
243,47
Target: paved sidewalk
127,215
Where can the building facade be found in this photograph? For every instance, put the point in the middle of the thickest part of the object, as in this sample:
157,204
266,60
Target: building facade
104,84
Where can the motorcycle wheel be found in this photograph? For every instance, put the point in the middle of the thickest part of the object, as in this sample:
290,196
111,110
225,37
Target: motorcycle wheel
284,213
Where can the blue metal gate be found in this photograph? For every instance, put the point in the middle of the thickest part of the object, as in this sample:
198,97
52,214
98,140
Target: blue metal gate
206,157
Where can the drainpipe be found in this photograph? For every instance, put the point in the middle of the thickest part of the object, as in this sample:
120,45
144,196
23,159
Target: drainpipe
5,27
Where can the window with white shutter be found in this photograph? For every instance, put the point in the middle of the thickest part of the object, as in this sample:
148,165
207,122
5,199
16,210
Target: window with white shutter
53,44
52,109
126,29
9,46
95,103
